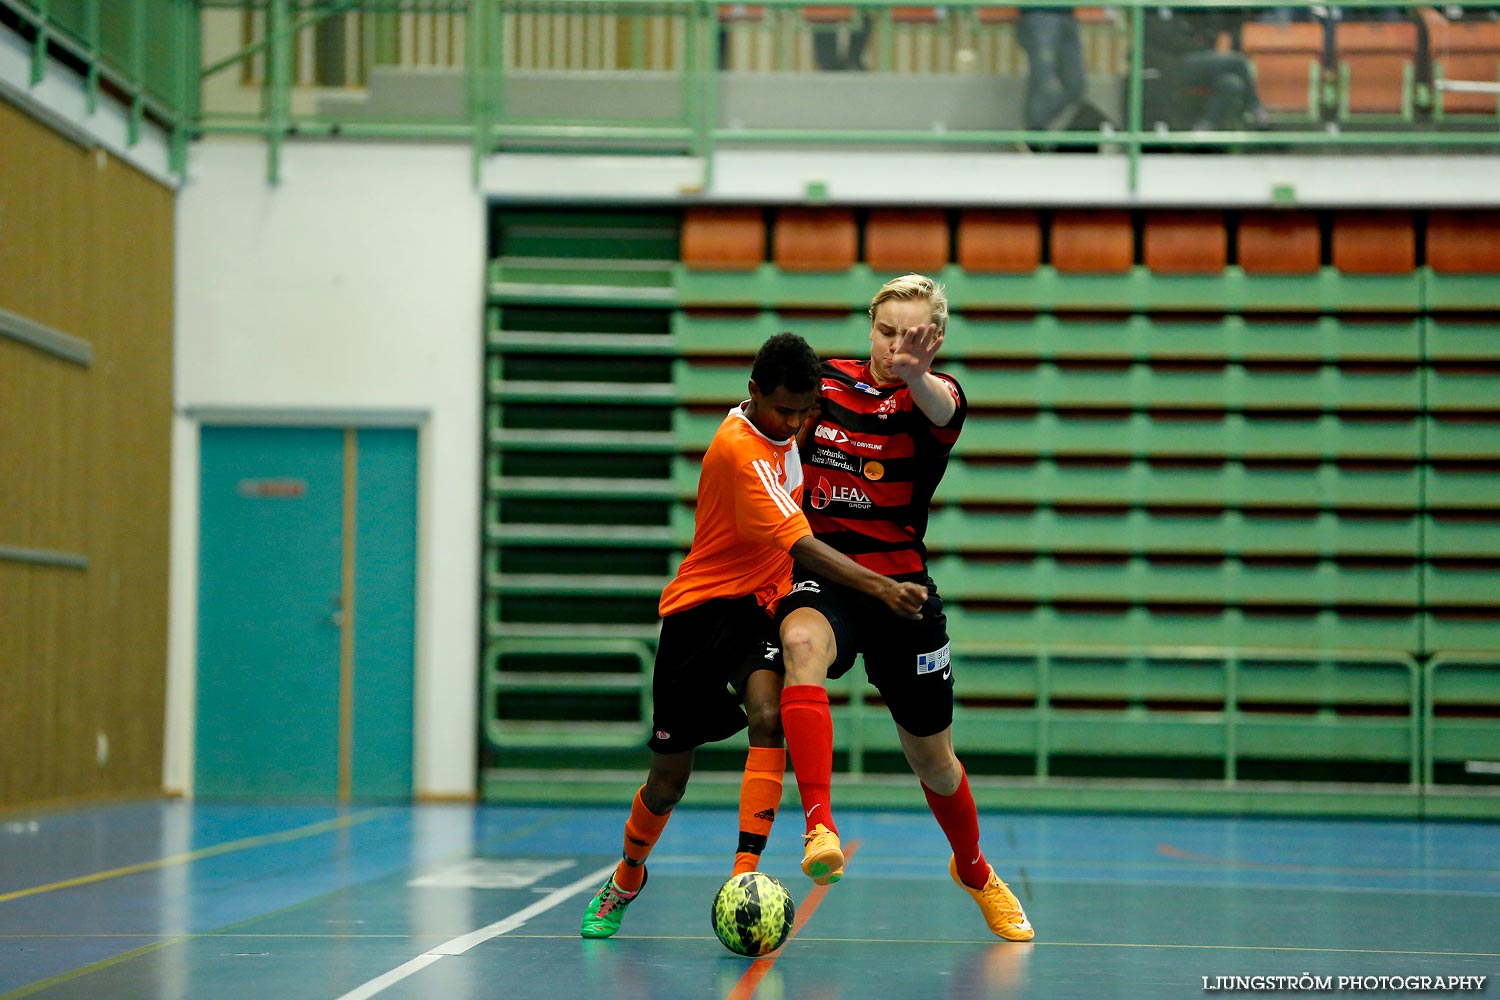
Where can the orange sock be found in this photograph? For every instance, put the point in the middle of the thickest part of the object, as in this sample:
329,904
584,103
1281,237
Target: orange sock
760,795
809,739
642,830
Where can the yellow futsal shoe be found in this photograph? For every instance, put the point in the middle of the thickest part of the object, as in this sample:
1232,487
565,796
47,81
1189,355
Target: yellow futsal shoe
1001,909
823,860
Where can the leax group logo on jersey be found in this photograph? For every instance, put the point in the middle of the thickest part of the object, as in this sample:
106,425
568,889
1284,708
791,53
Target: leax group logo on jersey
825,495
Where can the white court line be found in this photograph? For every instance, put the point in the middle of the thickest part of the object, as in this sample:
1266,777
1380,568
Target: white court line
464,942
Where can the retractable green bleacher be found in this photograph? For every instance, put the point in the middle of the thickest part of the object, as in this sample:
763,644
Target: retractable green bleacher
1221,531
1462,493
1183,534
578,461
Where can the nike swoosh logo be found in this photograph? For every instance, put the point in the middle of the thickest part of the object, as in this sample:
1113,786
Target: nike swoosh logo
947,673
1024,925
813,810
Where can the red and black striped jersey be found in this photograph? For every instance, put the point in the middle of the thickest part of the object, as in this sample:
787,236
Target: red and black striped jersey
873,462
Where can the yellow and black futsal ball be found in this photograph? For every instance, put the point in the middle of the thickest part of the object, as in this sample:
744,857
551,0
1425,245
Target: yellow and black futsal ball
753,914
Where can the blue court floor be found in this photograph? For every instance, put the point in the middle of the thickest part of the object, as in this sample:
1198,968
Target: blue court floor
166,900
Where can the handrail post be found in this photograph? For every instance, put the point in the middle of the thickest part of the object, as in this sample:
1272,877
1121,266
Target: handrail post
689,79
646,657
1429,766
474,35
184,62
856,765
1414,699
884,22
137,71
708,121
1231,717
39,44
278,85
91,39
494,71
1043,712
1136,90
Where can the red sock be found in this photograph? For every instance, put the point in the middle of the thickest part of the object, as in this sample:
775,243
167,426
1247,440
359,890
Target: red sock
809,741
959,819
642,830
760,797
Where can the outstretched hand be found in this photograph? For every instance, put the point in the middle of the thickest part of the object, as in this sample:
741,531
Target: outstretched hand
906,599
915,351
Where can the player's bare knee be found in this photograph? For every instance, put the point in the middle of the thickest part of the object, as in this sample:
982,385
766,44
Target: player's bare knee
807,652
663,792
765,724
939,771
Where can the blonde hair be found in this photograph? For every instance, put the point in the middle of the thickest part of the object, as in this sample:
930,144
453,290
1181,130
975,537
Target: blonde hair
911,287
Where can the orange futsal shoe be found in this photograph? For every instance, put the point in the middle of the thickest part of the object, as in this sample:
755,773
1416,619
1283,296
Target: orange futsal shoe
1001,909
823,860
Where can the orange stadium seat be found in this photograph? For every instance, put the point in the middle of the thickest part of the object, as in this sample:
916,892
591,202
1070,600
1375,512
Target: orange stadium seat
999,241
1288,61
723,239
998,15
1374,242
815,239
1280,243
1377,67
902,240
1185,242
1093,241
1466,51
1466,242
916,15
827,14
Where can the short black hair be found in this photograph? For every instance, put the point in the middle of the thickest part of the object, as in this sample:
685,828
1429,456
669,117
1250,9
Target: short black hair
786,360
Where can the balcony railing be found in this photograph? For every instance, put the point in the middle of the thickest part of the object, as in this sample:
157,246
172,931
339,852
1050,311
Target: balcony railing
689,76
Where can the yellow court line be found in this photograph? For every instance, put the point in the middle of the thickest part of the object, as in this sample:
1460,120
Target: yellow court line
259,840
37,987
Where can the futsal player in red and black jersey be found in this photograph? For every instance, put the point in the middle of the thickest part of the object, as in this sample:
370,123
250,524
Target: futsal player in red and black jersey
873,460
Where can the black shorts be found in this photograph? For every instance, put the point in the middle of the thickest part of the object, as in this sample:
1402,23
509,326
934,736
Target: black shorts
906,659
705,656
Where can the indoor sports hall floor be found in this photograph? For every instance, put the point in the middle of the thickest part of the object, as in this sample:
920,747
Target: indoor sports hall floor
167,900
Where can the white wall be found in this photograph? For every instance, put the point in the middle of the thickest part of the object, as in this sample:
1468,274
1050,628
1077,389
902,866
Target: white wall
353,290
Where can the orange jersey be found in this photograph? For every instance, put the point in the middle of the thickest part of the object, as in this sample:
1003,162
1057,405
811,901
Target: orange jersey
749,517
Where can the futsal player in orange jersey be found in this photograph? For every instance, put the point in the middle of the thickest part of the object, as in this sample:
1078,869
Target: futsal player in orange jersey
718,667
877,451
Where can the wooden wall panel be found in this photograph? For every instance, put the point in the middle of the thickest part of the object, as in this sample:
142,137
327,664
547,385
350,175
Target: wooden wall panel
86,249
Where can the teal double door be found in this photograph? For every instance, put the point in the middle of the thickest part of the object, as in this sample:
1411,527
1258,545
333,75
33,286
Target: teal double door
306,612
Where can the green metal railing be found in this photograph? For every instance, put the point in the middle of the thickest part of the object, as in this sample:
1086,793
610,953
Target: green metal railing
501,68
139,53
636,75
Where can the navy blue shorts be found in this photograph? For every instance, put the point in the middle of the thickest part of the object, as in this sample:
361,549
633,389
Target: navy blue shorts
906,659
705,656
